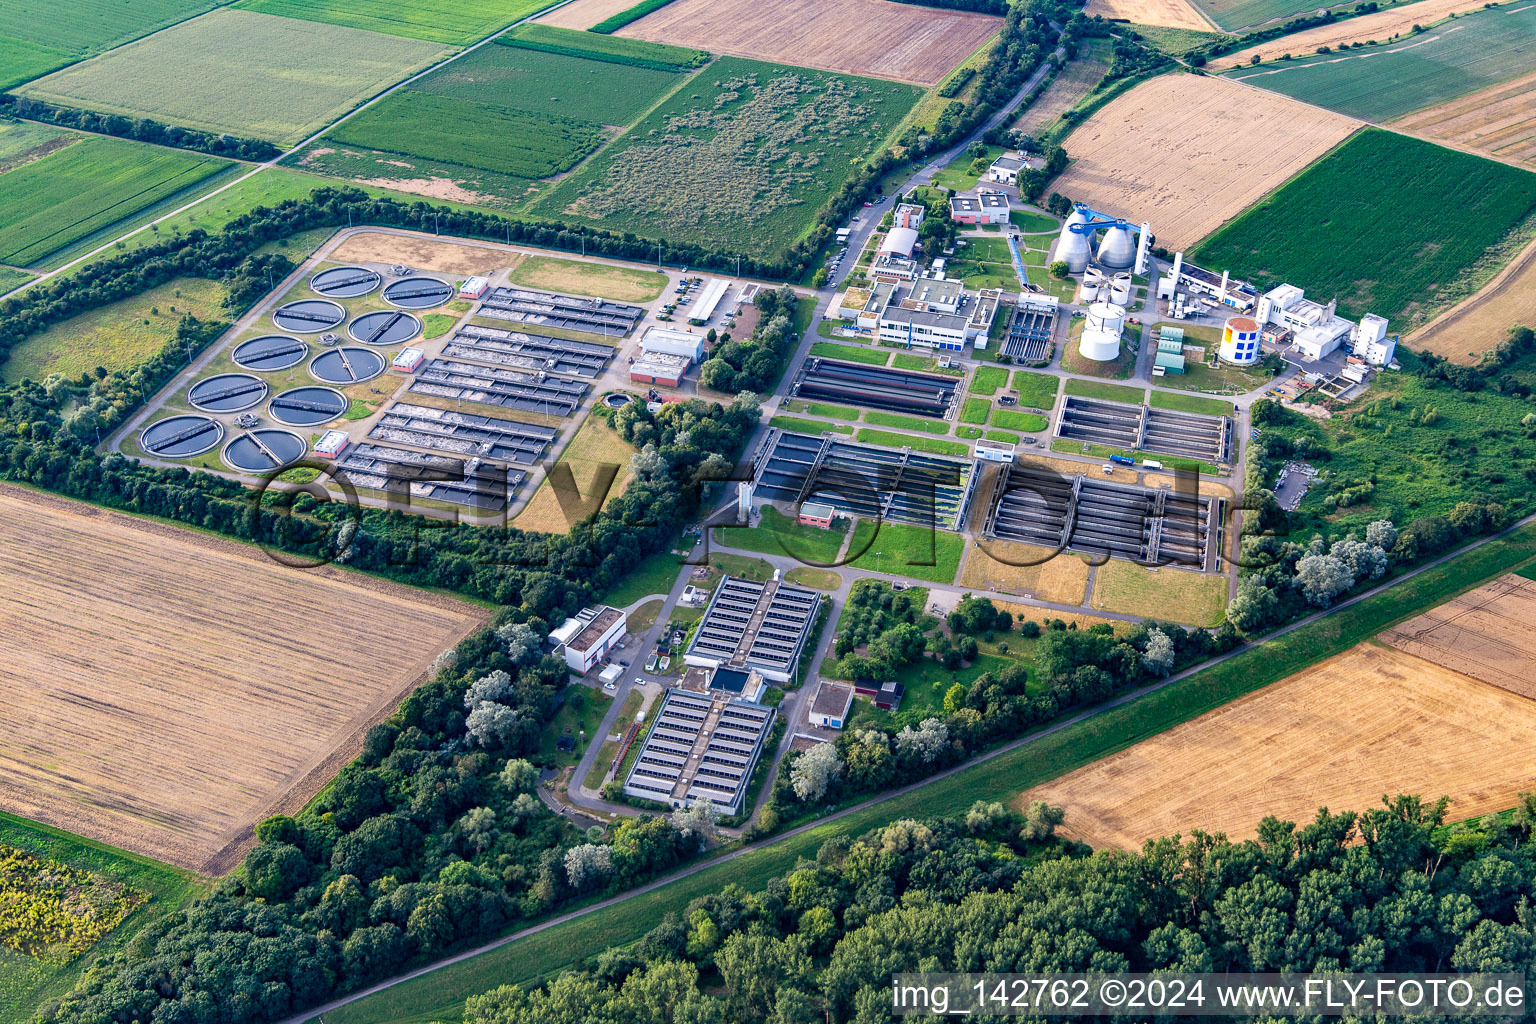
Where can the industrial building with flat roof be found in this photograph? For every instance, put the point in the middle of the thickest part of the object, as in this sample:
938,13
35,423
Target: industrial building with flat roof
709,300
750,625
658,368
586,638
673,343
702,746
830,706
985,207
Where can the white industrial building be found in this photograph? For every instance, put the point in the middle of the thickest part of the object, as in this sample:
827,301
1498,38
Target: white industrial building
1102,330
1371,342
909,215
709,300
985,207
1314,330
931,313
670,342
585,639
920,328
1005,169
995,451
1199,285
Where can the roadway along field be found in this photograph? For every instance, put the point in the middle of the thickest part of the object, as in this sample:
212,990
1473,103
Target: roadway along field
1463,333
91,183
1485,633
1387,24
1178,151
1368,722
860,37
1499,120
440,21
164,691
1170,13
1443,63
240,72
1447,208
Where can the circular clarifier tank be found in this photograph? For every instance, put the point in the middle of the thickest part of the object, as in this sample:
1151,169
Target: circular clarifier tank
227,392
418,293
309,316
181,437
344,366
270,352
617,400
345,282
385,327
260,451
308,406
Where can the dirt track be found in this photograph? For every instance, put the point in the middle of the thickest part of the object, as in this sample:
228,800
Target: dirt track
1372,721
1188,153
1379,26
860,37
1470,328
164,690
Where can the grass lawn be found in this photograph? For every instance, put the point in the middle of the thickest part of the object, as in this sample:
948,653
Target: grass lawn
743,566
987,380
835,412
805,426
1222,379
440,995
86,186
975,410
26,982
1002,435
900,422
278,79
1108,392
435,325
644,617
925,364
1099,451
578,717
655,575
1189,403
1194,598
598,460
441,21
902,549
778,534
605,754
964,172
926,682
622,284
1028,422
931,445
816,579
117,336
1036,390
850,353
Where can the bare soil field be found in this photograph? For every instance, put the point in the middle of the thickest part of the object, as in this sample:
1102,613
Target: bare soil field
1464,332
583,14
1369,722
1381,26
1178,151
1006,567
422,254
860,37
164,691
1171,13
1499,121
1488,634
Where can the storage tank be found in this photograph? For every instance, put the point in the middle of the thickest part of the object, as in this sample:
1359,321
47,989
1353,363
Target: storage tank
1120,290
1240,341
1071,246
1094,285
1099,345
1105,316
1117,250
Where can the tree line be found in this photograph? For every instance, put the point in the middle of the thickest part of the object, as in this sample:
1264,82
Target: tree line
141,129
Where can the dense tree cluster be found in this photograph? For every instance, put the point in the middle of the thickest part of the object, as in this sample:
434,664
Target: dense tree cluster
141,129
753,365
1378,891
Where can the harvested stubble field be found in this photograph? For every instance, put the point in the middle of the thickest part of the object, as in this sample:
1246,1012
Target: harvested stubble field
579,277
1370,722
1390,79
1172,595
1463,333
1486,633
165,690
1178,151
595,455
1071,84
1380,25
422,253
1499,121
583,14
1171,13
1006,567
240,72
859,37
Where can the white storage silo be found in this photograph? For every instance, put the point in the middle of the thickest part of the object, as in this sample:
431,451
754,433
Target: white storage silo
1094,285
1101,332
1120,290
1107,316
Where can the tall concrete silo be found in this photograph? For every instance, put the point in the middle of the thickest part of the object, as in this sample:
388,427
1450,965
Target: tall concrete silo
1071,246
1117,251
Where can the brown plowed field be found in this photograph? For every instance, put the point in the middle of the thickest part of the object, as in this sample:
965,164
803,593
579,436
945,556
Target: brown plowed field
1380,26
163,691
1499,120
1372,721
1488,633
859,37
1172,13
583,14
1463,333
1182,152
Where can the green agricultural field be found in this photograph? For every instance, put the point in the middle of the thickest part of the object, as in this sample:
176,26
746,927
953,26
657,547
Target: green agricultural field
11,278
903,549
117,336
21,141
743,156
1176,41
1405,233
240,72
1237,14
49,203
478,135
551,84
35,39
440,21
1377,83
611,49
